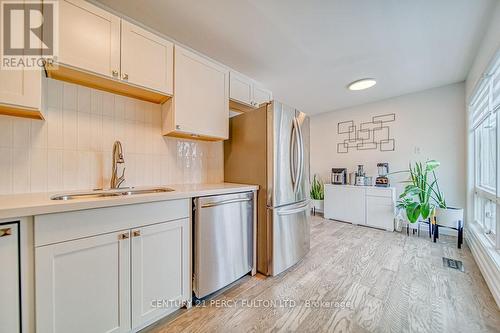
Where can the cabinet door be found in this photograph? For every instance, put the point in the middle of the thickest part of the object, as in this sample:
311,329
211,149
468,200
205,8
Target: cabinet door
380,212
84,285
21,88
240,88
160,270
345,203
201,95
10,316
89,38
261,95
146,59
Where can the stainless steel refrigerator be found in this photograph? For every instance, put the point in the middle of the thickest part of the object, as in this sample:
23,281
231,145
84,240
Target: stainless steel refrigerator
270,147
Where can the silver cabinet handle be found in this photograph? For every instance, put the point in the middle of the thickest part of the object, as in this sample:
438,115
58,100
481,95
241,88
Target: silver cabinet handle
115,73
224,202
125,76
5,232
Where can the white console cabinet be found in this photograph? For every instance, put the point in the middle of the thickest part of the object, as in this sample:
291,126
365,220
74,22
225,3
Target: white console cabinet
363,205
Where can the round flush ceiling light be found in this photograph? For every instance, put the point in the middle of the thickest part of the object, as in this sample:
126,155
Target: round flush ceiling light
362,84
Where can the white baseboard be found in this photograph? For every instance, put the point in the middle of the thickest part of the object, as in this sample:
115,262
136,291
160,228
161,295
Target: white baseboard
487,259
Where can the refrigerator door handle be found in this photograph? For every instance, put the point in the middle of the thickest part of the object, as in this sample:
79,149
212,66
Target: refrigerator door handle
300,140
293,166
294,210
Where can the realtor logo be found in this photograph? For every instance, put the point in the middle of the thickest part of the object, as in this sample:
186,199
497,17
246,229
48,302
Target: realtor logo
28,36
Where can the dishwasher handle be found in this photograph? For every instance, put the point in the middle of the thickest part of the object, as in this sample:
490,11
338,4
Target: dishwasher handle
224,202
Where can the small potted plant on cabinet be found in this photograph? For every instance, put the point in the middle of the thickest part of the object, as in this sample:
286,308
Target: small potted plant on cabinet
317,195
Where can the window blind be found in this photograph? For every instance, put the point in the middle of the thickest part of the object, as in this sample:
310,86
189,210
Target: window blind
480,104
495,84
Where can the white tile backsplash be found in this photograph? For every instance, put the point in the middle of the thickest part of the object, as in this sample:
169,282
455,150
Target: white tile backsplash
21,133
5,170
21,170
71,149
6,132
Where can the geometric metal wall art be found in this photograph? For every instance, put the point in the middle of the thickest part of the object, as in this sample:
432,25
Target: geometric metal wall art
371,135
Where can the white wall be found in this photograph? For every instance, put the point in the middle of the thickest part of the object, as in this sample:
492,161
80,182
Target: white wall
429,125
489,45
71,149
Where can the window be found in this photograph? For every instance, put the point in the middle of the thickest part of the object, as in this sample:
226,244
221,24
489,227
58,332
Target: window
484,111
485,215
486,146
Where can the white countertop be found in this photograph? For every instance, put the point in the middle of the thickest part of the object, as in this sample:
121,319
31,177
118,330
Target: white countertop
20,205
364,186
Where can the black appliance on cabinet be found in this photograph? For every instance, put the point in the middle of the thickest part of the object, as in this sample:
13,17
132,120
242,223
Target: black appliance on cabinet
339,176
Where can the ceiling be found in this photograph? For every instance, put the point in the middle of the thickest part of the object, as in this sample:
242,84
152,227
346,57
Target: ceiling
306,52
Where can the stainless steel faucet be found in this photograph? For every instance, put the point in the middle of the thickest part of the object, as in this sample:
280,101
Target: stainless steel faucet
117,159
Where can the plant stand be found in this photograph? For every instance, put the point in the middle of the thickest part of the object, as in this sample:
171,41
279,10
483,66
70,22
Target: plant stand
434,231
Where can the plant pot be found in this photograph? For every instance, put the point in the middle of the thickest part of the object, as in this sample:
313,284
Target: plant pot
318,205
449,217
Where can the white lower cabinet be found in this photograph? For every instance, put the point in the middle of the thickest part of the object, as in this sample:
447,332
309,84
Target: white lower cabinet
117,281
158,271
10,304
84,285
364,205
345,203
380,213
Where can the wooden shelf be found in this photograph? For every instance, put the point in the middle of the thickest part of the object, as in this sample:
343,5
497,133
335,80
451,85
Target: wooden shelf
16,111
240,107
184,135
91,80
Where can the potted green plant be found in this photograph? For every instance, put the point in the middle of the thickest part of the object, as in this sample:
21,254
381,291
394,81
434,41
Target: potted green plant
419,196
317,194
422,198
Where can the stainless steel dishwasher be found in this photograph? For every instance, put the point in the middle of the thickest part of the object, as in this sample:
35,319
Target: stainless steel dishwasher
223,241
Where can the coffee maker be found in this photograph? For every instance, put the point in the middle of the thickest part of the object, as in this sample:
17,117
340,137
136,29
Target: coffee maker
339,176
382,179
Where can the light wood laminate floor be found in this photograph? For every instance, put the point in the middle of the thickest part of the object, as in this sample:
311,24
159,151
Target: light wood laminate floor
394,283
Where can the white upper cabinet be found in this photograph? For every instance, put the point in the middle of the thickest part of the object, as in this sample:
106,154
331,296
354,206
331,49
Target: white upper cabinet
21,93
240,88
102,51
261,95
146,59
200,106
89,38
245,93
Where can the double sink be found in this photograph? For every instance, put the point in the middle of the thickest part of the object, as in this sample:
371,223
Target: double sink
110,193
